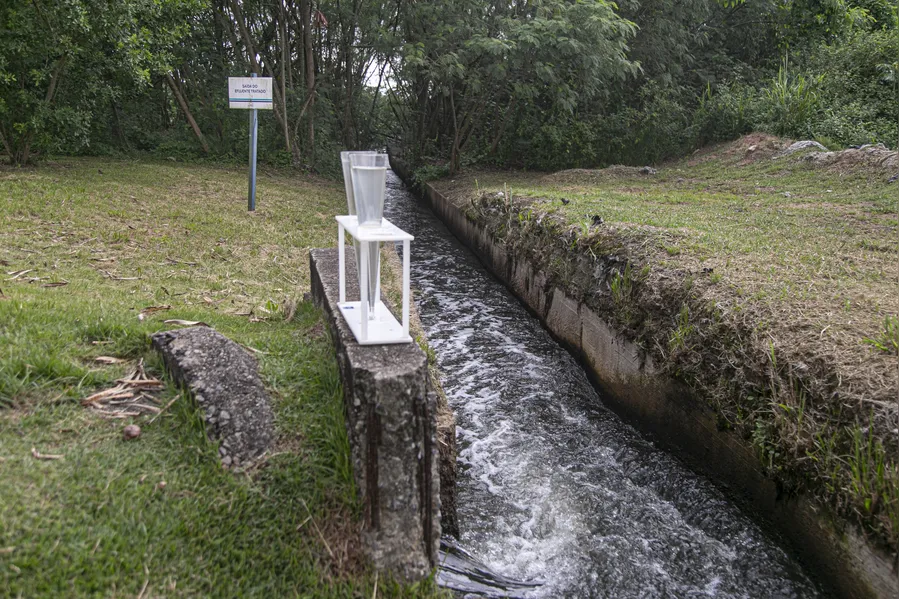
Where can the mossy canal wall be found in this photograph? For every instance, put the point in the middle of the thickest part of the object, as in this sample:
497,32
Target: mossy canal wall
632,384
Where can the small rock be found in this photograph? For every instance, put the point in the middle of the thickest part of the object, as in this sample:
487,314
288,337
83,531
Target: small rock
565,201
226,461
708,270
307,297
160,486
751,148
132,431
223,415
597,220
648,170
893,179
801,145
787,194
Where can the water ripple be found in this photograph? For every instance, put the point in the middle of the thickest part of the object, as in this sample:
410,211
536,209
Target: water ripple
553,486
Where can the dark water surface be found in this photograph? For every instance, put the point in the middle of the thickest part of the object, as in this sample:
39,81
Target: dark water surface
553,486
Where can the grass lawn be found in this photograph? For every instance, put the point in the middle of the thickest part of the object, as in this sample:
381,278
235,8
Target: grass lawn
800,262
85,246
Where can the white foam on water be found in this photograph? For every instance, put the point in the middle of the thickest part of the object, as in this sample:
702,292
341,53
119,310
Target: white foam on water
553,486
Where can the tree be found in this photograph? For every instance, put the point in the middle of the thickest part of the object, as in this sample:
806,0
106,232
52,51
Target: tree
60,61
471,67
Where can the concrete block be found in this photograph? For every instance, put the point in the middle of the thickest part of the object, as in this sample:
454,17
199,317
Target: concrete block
224,380
391,423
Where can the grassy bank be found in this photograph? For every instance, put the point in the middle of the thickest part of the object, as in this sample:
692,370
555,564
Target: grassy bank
766,284
86,247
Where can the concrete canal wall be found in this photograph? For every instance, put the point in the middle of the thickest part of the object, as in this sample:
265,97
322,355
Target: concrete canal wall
636,388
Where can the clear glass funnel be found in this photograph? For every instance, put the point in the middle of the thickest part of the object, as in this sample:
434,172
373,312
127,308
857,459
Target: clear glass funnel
348,180
351,210
368,178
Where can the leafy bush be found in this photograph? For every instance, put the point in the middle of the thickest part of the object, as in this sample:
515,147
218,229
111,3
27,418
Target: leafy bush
429,172
727,113
790,102
859,94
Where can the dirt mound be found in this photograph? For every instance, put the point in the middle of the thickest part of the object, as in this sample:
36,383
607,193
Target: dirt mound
876,156
746,150
586,176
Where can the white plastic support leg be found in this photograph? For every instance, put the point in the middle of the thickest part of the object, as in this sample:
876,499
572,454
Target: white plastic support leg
363,291
341,262
406,286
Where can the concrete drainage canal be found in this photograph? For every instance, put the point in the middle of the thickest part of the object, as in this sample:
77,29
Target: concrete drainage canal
553,488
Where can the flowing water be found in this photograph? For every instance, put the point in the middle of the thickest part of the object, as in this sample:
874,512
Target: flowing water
552,486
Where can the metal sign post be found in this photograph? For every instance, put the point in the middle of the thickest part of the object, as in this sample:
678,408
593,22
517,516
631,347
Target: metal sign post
251,93
254,127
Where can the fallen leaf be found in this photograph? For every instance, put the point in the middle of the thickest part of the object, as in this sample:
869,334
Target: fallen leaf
15,274
109,360
152,310
56,284
44,456
118,278
186,323
118,392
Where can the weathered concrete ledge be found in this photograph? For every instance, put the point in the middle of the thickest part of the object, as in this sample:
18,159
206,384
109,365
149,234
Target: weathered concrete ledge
391,423
841,557
224,380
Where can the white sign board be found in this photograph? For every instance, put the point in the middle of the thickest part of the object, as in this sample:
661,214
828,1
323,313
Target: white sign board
250,92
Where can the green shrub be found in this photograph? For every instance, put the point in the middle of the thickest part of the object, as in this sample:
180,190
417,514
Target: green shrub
727,113
790,102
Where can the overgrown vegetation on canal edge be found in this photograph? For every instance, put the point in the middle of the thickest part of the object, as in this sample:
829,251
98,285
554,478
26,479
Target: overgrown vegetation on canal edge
767,284
86,247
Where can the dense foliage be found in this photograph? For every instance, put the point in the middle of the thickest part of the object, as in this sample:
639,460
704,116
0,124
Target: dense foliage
533,83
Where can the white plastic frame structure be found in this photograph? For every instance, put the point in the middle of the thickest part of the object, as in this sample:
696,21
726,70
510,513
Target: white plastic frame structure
384,328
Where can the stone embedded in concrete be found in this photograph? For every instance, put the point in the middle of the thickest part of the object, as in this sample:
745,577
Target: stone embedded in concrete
224,380
391,423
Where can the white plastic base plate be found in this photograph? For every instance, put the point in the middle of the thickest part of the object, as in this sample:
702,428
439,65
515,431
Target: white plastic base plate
382,330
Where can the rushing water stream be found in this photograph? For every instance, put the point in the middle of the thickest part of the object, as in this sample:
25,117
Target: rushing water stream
552,486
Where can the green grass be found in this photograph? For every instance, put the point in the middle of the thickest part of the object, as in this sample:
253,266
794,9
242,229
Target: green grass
98,522
768,286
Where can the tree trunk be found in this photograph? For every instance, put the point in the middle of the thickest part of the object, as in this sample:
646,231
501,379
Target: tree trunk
306,16
6,146
186,110
283,34
502,126
455,159
117,124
